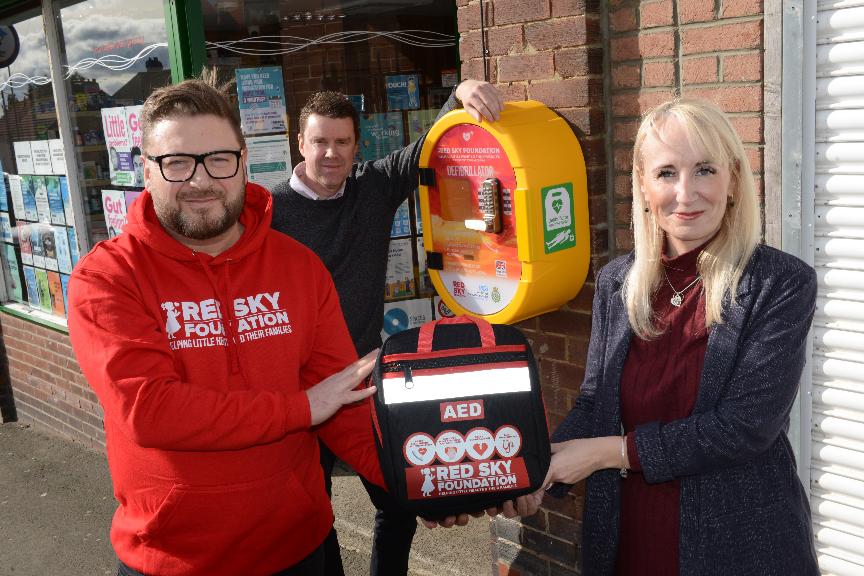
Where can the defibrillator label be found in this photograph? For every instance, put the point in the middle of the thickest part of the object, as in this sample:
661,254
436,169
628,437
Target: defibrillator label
559,230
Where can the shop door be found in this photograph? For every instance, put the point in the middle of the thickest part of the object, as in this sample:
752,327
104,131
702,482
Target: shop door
837,464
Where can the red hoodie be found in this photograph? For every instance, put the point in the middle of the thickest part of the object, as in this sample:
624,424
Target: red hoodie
214,463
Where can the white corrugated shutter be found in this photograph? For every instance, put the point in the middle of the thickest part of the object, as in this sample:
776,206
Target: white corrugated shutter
837,464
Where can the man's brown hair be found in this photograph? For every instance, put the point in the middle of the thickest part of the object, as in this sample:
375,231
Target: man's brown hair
330,105
194,97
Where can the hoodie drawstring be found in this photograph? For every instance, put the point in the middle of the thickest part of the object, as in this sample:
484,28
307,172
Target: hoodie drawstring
231,350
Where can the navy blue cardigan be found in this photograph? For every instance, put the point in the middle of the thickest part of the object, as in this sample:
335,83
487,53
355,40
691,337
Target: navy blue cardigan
743,509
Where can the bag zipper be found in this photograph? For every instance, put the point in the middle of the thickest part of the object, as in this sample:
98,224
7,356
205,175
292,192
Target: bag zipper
408,366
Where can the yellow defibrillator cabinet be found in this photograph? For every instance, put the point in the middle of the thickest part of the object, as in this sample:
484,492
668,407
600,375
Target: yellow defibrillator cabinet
505,212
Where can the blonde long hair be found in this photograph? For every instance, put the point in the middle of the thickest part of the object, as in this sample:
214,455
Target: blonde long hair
722,262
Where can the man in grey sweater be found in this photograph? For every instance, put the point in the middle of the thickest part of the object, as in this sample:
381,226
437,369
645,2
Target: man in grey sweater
344,212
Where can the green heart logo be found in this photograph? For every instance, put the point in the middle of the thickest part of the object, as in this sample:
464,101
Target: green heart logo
557,204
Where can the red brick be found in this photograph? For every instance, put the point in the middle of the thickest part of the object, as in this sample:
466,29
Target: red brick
573,92
749,128
731,98
638,104
623,186
623,240
654,45
695,11
734,36
754,156
655,14
622,157
699,70
526,67
548,345
597,209
580,61
568,8
582,301
470,45
563,375
626,76
733,8
474,69
625,131
658,74
742,67
623,213
513,92
623,20
513,11
558,33
505,40
468,17
587,120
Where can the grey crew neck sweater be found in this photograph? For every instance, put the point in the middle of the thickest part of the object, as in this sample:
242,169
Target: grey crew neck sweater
351,234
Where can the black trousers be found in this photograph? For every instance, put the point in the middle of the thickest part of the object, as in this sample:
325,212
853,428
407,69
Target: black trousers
312,565
394,529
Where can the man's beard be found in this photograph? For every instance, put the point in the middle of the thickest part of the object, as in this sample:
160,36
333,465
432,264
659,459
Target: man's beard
200,224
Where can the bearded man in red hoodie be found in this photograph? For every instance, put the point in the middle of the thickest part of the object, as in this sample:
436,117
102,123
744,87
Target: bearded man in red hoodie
218,351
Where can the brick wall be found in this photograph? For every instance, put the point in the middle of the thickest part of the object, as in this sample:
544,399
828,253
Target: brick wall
50,391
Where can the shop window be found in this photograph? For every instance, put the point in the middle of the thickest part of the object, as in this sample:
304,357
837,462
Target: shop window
114,54
39,245
397,61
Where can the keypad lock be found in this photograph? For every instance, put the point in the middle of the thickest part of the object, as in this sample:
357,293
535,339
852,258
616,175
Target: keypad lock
489,200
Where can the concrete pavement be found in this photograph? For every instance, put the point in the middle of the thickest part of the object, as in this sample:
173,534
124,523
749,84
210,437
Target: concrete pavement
56,505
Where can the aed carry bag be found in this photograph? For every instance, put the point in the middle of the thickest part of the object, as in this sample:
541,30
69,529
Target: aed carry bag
459,419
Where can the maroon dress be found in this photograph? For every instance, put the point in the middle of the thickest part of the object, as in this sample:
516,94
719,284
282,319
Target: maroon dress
659,382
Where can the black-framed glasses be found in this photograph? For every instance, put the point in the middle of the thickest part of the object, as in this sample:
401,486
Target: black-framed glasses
219,164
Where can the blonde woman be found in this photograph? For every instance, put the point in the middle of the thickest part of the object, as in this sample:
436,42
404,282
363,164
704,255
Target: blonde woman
697,346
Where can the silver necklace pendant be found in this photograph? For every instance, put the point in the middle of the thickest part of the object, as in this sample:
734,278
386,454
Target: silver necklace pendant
676,300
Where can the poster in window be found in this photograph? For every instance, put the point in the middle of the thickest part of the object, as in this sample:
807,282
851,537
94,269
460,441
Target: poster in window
73,245
55,290
58,160
401,221
36,246
261,98
61,244
55,200
114,206
400,270
64,282
268,161
12,273
133,127
380,134
32,289
417,212
67,201
399,316
4,201
403,91
358,101
40,192
43,290
28,192
17,194
26,243
419,122
23,157
49,246
41,153
119,149
5,227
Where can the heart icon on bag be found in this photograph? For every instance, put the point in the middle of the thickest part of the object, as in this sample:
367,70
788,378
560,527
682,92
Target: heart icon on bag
480,447
450,451
422,451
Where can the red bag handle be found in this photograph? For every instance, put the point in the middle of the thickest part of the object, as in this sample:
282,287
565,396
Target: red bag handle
427,331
